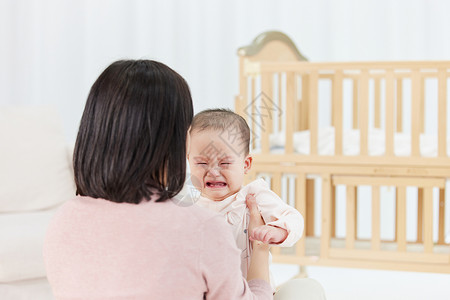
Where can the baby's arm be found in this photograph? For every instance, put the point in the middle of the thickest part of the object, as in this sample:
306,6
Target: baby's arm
277,214
267,234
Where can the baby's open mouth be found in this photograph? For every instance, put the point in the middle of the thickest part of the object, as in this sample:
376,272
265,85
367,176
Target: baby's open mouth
215,184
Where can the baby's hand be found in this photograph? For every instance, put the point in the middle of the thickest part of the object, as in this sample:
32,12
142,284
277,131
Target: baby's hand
269,234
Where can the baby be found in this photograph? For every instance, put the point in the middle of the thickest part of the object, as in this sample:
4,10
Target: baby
219,158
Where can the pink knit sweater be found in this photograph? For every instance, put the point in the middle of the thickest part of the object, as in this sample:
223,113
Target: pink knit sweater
97,249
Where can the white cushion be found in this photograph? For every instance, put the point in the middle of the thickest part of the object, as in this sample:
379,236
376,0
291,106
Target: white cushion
21,241
35,170
36,289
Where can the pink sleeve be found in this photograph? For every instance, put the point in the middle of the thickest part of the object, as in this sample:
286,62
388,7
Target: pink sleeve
219,262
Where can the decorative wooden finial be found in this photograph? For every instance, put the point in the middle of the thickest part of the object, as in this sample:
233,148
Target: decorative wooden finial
261,40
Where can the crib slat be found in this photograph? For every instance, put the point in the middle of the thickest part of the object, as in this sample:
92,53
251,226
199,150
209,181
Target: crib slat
297,103
276,187
390,107
239,106
269,112
377,103
313,111
441,235
420,215
415,112
276,182
401,218
264,110
325,238
350,219
337,112
355,216
422,104
428,220
280,100
310,205
252,109
442,110
399,105
355,103
375,218
290,110
333,211
364,112
242,100
300,205
304,116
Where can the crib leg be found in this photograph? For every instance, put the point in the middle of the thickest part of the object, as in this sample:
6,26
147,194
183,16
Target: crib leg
302,273
310,197
441,236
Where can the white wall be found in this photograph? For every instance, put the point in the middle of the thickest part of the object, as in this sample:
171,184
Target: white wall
51,51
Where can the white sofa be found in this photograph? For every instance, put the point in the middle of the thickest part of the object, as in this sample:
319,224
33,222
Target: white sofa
36,177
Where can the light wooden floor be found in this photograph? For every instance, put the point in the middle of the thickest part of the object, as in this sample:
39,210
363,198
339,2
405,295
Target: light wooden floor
339,284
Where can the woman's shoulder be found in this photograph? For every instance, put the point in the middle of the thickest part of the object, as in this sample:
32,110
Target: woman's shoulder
87,210
203,219
196,212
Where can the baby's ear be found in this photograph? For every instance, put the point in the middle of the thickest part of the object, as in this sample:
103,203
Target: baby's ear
248,163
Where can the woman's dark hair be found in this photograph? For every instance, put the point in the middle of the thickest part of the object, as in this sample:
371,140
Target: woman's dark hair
132,137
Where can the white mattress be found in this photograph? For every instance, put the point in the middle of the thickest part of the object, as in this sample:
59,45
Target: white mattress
351,144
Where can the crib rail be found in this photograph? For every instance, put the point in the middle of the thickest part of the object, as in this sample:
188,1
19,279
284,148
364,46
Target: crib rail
283,97
427,251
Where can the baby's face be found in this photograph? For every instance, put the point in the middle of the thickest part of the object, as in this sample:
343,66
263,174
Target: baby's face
217,163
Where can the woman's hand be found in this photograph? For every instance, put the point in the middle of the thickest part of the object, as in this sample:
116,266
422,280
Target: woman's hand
259,259
256,221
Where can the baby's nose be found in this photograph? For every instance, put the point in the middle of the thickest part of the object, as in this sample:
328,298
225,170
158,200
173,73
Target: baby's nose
214,172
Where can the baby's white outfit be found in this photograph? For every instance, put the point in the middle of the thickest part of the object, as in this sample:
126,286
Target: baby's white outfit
274,211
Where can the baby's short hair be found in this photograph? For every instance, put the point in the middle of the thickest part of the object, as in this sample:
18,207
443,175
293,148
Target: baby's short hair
224,120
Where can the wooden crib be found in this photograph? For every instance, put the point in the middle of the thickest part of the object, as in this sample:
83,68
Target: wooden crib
382,208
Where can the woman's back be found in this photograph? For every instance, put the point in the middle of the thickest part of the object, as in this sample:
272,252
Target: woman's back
97,249
138,244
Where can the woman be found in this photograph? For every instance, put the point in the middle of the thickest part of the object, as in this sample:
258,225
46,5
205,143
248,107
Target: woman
122,237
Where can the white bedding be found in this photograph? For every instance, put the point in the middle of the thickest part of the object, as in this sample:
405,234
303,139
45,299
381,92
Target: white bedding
351,144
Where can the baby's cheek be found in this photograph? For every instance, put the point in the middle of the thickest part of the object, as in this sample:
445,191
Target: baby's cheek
196,180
